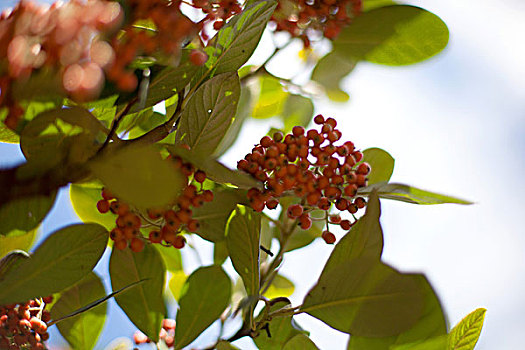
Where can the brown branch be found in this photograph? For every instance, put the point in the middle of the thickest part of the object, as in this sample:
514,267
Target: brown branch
116,122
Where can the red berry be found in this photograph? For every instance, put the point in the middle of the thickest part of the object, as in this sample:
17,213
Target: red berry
328,237
198,58
199,176
179,242
136,245
319,119
294,211
103,206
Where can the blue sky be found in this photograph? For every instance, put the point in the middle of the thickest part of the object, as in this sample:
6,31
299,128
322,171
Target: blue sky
455,124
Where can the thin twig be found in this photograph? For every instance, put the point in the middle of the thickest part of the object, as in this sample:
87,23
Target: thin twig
116,121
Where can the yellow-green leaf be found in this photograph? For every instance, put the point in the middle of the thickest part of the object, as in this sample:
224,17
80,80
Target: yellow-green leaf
465,334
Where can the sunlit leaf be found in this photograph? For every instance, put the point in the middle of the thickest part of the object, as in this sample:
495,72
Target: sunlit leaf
209,114
382,165
236,41
143,304
243,112
280,287
139,176
64,258
408,194
372,4
300,342
243,240
271,99
83,330
178,278
365,297
465,334
84,198
23,241
393,35
171,257
204,297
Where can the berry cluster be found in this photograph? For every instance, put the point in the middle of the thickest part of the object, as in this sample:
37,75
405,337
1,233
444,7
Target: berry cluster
23,326
216,12
166,223
63,38
306,19
308,165
166,334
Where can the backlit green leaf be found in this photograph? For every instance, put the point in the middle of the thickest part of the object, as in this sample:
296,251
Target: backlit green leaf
171,257
64,258
204,297
243,239
300,342
209,114
365,297
220,252
139,176
408,194
143,304
382,165
330,71
393,35
298,110
271,99
465,334
83,330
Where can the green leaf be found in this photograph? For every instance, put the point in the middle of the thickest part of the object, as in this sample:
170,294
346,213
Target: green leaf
437,343
171,257
365,297
298,110
22,241
465,334
143,304
300,342
393,35
209,114
271,99
382,165
280,287
24,214
204,297
330,71
11,261
7,135
237,40
281,328
215,170
64,258
408,194
220,252
225,345
139,176
213,216
178,278
431,324
84,197
243,231
372,4
168,81
243,111
365,238
83,330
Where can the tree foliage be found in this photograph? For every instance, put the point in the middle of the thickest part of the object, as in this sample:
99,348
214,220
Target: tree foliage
131,104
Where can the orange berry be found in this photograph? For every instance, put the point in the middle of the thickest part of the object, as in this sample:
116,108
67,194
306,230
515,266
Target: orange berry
319,119
155,236
360,202
136,245
198,58
179,242
323,203
363,169
305,222
345,224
